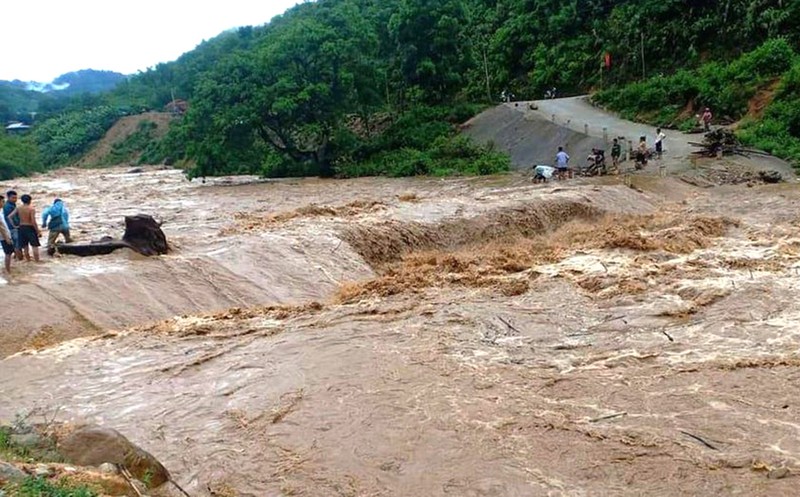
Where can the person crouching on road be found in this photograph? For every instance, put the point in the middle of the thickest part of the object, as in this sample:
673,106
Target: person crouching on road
28,228
5,239
58,224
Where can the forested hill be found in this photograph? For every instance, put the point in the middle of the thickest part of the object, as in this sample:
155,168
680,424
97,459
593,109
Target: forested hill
354,87
280,94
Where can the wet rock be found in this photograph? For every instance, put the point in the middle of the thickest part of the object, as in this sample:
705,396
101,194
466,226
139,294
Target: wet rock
10,473
108,468
770,176
135,170
43,471
26,440
778,473
95,445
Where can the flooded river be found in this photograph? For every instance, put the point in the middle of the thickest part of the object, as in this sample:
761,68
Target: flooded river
465,337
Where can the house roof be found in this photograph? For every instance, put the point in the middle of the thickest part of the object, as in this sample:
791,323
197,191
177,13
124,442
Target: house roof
17,126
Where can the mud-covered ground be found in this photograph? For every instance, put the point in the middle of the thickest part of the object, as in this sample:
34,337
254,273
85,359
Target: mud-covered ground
465,337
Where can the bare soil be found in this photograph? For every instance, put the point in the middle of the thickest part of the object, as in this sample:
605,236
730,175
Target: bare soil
121,130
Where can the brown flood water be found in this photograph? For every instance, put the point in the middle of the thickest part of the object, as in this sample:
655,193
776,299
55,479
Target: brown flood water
660,358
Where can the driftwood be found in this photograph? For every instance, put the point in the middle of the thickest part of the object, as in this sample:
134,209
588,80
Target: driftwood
142,235
720,141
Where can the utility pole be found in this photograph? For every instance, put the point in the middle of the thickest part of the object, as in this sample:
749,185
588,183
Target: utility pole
644,74
486,70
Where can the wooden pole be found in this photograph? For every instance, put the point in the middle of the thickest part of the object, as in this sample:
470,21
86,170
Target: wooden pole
644,73
486,70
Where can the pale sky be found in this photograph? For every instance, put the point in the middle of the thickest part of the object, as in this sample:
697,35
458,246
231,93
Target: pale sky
42,39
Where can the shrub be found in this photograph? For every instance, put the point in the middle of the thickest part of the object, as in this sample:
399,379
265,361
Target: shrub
725,87
64,138
39,487
133,145
19,156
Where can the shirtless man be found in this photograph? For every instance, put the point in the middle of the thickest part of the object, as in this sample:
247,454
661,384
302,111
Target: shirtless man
28,228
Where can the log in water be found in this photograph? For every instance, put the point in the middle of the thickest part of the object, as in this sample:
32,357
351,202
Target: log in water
142,234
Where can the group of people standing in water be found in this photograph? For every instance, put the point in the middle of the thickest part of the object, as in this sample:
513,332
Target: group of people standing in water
20,232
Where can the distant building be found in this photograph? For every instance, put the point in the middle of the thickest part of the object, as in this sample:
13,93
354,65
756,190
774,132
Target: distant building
17,128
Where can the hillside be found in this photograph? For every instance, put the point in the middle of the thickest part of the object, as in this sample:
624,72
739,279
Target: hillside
364,57
126,139
277,99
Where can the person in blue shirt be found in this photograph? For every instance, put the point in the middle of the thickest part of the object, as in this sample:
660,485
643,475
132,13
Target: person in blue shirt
58,224
562,163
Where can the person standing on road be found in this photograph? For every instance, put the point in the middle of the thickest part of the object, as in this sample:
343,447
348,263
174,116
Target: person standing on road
707,117
660,142
58,224
641,153
6,241
28,228
616,153
562,163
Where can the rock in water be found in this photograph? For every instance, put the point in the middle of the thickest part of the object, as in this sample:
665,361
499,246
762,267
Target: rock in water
778,473
95,445
770,176
144,234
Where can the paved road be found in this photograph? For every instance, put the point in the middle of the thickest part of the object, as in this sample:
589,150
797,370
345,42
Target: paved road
579,115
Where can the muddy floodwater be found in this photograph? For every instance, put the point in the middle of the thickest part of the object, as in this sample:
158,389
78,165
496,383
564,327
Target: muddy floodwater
425,337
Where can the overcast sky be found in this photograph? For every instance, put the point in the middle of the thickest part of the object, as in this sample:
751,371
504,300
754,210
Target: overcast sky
42,39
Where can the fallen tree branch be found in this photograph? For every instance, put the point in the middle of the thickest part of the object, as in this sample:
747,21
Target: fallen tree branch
610,416
129,478
699,440
510,326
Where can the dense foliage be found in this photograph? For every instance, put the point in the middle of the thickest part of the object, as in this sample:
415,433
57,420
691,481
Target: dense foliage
67,136
728,89
296,96
18,156
725,87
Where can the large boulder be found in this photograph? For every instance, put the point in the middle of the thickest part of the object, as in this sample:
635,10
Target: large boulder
95,445
10,473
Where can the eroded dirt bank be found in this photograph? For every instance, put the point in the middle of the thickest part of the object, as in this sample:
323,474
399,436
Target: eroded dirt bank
471,337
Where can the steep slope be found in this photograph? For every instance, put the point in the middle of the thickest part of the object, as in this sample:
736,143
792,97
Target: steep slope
122,130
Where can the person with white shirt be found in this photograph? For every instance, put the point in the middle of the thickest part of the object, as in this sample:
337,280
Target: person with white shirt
660,136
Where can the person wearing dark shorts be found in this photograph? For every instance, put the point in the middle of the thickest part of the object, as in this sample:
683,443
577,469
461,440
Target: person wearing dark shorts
660,142
28,228
28,237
